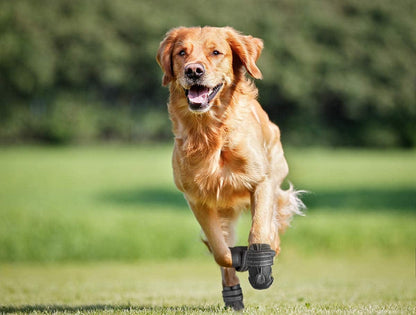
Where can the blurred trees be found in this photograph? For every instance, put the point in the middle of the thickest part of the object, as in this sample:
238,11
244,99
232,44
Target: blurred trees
335,72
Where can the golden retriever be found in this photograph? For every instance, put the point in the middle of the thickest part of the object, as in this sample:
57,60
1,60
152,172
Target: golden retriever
227,155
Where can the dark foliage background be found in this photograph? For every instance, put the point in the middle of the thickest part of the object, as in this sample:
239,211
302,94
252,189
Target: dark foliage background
335,72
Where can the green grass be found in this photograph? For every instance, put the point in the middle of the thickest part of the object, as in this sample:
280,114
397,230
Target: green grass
103,230
301,287
112,203
89,204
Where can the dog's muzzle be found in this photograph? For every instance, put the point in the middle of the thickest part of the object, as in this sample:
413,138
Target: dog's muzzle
199,96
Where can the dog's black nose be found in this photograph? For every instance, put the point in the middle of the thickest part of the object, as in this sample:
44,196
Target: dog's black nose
194,71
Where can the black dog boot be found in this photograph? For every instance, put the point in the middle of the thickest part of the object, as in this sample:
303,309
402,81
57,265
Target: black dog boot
239,258
259,260
233,297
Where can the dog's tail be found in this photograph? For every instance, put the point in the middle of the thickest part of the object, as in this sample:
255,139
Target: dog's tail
288,205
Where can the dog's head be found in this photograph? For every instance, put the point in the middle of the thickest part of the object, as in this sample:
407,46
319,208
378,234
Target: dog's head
204,60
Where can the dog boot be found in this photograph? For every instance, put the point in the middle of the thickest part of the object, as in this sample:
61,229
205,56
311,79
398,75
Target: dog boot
233,297
259,259
239,258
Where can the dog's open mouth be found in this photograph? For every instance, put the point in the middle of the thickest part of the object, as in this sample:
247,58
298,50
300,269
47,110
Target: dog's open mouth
199,97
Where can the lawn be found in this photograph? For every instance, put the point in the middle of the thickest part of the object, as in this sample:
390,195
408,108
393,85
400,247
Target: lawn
103,229
308,285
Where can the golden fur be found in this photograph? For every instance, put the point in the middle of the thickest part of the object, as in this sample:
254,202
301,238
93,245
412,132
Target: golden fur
228,155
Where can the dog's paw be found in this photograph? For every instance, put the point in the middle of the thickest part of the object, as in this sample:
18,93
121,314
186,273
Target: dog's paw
233,297
239,258
259,260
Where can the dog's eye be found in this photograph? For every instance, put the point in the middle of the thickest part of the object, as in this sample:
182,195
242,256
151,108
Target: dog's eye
216,52
182,53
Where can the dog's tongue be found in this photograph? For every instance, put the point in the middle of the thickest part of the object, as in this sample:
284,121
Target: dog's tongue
198,94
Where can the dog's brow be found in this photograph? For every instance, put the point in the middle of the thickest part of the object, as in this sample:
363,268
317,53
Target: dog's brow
212,45
184,44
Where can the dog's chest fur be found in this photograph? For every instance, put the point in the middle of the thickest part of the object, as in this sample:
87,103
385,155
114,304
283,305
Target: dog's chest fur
221,177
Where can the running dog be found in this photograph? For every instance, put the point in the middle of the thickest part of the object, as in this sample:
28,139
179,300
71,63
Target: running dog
227,155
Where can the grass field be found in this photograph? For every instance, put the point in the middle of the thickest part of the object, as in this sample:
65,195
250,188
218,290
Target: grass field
313,285
103,229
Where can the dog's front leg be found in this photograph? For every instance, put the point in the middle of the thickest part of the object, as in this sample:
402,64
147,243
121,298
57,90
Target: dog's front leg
258,258
262,199
211,226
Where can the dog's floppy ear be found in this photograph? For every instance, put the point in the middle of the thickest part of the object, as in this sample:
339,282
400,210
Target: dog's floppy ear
164,55
248,49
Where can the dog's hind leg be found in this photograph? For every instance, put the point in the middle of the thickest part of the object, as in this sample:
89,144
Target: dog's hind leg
218,229
232,292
